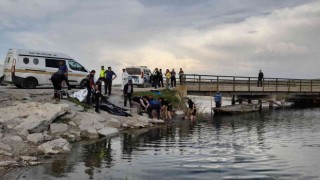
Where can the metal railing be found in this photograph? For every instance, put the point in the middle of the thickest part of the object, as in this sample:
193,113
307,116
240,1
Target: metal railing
243,83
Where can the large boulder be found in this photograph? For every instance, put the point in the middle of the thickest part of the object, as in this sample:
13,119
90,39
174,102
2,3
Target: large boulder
55,146
5,147
113,123
58,128
35,138
108,131
31,117
85,124
87,116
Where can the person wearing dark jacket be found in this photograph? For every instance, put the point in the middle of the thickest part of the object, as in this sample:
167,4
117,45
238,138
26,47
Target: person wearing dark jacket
89,84
56,80
127,93
97,97
110,76
155,78
260,78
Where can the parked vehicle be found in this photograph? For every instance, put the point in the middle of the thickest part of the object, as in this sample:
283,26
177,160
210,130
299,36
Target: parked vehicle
140,75
31,68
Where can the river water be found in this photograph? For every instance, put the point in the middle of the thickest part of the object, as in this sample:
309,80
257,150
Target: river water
272,144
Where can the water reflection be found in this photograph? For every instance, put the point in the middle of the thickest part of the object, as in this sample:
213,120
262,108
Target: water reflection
274,144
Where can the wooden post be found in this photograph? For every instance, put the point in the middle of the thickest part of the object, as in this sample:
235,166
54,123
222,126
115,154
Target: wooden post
277,84
260,104
289,85
217,83
233,102
234,83
311,86
199,82
300,85
271,104
249,101
249,84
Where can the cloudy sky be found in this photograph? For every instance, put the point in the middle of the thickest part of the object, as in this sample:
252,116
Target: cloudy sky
218,37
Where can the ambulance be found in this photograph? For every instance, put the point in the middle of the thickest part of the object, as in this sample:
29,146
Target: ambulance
31,68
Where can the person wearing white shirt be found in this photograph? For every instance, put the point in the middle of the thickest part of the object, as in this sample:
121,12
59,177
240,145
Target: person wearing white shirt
124,78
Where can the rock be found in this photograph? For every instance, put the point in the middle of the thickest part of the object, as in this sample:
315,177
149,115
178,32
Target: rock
156,121
1,135
125,125
92,133
69,114
28,158
5,153
46,136
88,116
35,138
5,147
23,133
108,131
9,163
34,117
79,108
90,123
71,123
54,147
113,123
16,138
32,163
58,128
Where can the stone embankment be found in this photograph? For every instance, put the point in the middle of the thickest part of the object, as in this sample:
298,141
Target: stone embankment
33,124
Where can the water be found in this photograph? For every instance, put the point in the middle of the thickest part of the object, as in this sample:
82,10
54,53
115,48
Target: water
274,144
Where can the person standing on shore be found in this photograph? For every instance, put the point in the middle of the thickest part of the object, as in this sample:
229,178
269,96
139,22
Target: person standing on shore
181,76
168,77
155,78
97,97
160,78
56,80
218,99
173,78
64,70
124,79
260,78
127,93
102,78
110,76
89,84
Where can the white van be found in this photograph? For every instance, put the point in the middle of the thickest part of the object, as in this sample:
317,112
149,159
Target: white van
31,68
140,75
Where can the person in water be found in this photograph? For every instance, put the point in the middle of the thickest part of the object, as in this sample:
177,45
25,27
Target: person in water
191,110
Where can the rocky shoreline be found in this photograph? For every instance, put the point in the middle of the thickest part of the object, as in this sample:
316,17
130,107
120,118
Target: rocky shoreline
32,125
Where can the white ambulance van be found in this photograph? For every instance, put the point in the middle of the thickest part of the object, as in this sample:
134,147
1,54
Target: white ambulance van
31,68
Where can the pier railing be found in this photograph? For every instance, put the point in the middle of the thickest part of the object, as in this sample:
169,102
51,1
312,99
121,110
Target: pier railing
196,82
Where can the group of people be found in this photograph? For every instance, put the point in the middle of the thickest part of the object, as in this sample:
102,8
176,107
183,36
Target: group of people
170,76
107,76
148,104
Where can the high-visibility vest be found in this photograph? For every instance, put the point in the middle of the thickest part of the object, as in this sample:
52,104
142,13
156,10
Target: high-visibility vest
103,73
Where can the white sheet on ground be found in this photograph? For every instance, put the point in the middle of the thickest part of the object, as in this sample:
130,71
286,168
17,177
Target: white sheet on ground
81,95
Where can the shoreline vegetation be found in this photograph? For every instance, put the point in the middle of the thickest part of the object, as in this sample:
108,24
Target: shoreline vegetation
33,126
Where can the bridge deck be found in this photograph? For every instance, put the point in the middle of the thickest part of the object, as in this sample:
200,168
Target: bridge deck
248,85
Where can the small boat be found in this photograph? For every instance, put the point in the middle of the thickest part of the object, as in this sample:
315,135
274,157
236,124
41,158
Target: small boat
236,109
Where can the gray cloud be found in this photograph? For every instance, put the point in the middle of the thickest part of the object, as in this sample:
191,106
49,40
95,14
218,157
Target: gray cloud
227,37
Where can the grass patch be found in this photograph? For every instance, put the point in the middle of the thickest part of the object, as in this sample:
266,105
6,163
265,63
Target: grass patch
170,95
77,102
